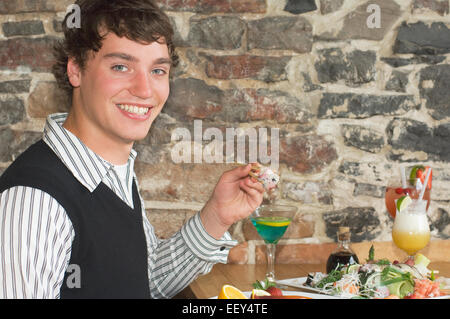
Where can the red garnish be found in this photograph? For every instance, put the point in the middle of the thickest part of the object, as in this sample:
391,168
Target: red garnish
274,291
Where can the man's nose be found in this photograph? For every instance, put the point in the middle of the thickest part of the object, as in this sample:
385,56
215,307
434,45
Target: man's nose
141,85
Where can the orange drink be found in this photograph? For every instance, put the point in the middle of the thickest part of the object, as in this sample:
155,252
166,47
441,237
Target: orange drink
410,242
411,231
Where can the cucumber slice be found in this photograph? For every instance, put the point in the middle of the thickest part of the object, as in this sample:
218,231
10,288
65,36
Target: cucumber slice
401,288
353,268
421,260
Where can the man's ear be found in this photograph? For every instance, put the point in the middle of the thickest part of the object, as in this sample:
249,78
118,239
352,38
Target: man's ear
73,72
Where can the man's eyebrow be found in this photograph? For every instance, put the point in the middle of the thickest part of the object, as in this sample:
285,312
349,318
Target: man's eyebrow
122,56
163,61
127,57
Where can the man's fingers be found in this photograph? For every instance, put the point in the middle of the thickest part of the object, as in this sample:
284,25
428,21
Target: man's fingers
236,173
251,187
253,183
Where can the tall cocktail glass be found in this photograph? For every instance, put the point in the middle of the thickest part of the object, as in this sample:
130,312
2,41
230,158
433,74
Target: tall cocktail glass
411,231
395,190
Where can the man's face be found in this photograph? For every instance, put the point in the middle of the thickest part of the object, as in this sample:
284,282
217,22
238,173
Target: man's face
123,88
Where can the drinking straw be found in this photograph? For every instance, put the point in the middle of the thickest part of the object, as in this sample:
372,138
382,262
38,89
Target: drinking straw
425,183
403,174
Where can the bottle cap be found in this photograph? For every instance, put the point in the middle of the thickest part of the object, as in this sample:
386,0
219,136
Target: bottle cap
344,229
343,233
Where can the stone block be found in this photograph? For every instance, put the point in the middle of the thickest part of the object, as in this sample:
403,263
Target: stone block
440,221
12,110
349,105
425,142
433,88
218,32
46,99
30,27
397,62
33,53
397,82
215,6
57,25
439,6
349,168
330,6
267,69
15,86
363,138
354,68
423,38
308,192
364,189
358,24
363,222
280,33
14,143
307,154
22,6
300,6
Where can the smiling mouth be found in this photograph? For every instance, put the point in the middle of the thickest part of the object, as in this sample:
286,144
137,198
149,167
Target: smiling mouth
139,110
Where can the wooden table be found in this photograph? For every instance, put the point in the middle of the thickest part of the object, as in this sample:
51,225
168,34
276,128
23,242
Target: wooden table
243,276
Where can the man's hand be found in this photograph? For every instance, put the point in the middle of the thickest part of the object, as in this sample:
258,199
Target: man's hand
235,197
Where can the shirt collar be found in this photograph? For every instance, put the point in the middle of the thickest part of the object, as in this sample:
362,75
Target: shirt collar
87,167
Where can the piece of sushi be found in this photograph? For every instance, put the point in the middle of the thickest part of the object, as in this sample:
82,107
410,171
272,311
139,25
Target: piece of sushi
267,177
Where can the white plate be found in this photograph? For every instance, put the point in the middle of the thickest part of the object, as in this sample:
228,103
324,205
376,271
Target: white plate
294,293
300,283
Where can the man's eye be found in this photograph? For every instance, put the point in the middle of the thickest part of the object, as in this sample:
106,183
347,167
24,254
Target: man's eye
119,68
159,71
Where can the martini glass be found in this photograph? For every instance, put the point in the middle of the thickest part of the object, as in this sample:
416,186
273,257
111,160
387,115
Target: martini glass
271,222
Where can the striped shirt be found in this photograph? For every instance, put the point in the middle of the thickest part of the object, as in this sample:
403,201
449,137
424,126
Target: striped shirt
36,234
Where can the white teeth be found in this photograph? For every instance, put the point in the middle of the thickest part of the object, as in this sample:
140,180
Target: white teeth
133,109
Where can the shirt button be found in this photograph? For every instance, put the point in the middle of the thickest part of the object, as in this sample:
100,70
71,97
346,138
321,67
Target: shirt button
222,248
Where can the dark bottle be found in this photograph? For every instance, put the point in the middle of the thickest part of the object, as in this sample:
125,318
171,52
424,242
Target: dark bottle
343,254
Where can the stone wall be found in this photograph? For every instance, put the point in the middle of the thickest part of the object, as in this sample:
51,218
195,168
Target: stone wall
355,87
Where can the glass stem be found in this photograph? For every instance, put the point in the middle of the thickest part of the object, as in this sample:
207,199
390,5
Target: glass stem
270,262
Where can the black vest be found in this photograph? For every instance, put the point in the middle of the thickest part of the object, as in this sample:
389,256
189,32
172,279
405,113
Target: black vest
109,251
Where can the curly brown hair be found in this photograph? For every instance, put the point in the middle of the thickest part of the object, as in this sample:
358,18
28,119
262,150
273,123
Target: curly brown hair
138,20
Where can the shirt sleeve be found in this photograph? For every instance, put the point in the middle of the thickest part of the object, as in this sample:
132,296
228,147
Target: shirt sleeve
35,244
174,263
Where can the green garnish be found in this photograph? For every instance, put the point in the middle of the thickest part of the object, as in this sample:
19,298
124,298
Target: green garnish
263,285
383,262
371,254
391,275
432,277
333,276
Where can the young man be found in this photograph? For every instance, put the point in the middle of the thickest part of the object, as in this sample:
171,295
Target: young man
72,223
